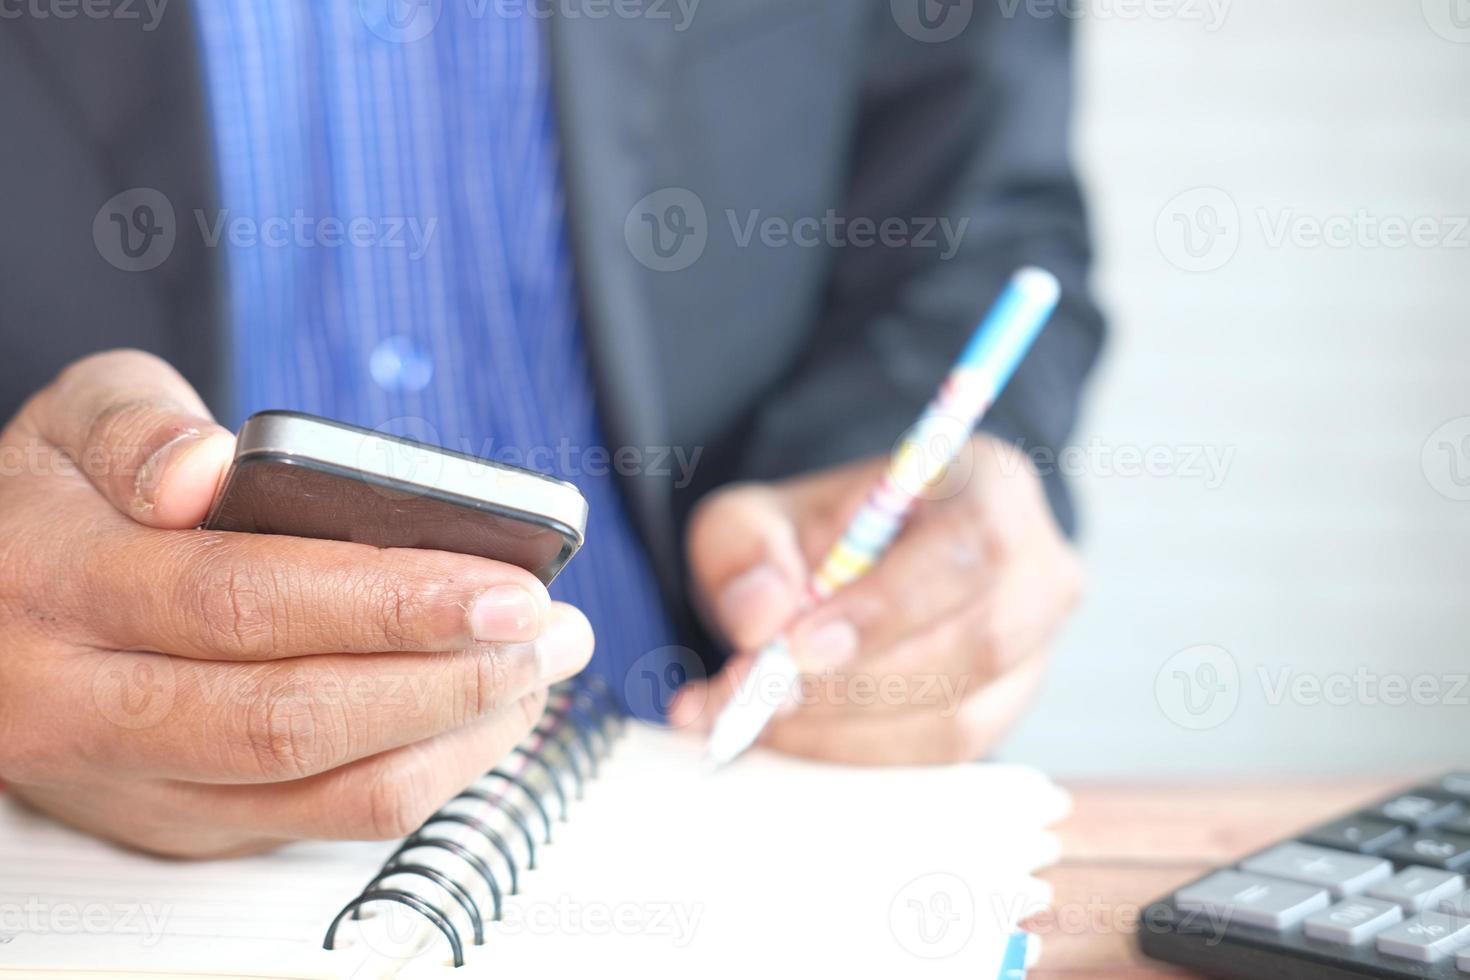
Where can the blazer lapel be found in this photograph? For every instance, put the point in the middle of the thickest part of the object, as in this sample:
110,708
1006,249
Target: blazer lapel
133,89
606,78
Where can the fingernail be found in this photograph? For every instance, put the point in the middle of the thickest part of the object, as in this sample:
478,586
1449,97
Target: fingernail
828,647
564,647
503,614
745,594
150,474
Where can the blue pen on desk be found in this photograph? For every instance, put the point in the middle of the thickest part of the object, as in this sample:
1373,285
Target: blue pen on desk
921,460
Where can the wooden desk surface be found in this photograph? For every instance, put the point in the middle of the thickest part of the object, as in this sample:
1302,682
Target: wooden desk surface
1125,846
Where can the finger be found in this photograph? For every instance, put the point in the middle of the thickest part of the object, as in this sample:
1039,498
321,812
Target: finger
170,819
941,734
221,596
747,563
384,797
1011,618
699,702
937,566
159,717
139,433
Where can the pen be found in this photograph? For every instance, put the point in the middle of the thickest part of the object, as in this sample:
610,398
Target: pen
921,460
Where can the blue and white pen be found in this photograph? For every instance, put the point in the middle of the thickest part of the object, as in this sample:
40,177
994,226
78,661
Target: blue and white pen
921,460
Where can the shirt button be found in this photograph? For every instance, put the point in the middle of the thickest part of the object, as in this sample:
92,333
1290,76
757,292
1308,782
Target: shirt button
398,365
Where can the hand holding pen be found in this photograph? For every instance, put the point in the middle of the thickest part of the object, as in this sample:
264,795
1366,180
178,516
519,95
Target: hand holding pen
929,655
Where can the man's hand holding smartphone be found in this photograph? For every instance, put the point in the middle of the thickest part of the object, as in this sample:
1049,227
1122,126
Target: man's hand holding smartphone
198,693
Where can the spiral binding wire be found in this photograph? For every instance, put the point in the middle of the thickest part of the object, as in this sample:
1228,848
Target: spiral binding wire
582,720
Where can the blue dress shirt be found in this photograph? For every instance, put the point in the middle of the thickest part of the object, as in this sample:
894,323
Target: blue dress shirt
393,219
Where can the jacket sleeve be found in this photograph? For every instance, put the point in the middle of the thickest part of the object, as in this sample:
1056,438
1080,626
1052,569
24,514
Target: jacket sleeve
966,142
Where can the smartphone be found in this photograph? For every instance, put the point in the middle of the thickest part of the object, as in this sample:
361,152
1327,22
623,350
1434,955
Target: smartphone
311,477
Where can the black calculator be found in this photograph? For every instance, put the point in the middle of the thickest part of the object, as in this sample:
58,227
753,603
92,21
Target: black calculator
1381,892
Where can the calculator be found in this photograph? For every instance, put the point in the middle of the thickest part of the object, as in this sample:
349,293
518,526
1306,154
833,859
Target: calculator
1380,892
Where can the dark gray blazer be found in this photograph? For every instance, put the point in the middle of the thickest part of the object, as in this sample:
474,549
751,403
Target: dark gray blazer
774,358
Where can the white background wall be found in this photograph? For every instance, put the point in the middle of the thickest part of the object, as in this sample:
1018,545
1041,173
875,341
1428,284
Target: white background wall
1332,548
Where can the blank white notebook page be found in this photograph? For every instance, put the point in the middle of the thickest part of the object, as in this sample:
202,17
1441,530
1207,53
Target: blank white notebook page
770,865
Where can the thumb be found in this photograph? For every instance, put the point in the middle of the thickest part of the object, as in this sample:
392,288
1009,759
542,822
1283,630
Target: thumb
139,433
748,569
746,562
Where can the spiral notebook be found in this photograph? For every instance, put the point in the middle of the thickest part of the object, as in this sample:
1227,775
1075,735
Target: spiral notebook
597,845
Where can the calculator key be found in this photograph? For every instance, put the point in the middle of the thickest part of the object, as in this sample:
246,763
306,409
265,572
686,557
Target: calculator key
1455,905
1456,825
1426,937
1419,809
1251,900
1365,835
1434,849
1354,921
1456,784
1339,873
1415,889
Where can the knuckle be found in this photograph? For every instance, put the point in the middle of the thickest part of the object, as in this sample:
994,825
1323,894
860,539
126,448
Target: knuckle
284,735
394,608
498,673
236,607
